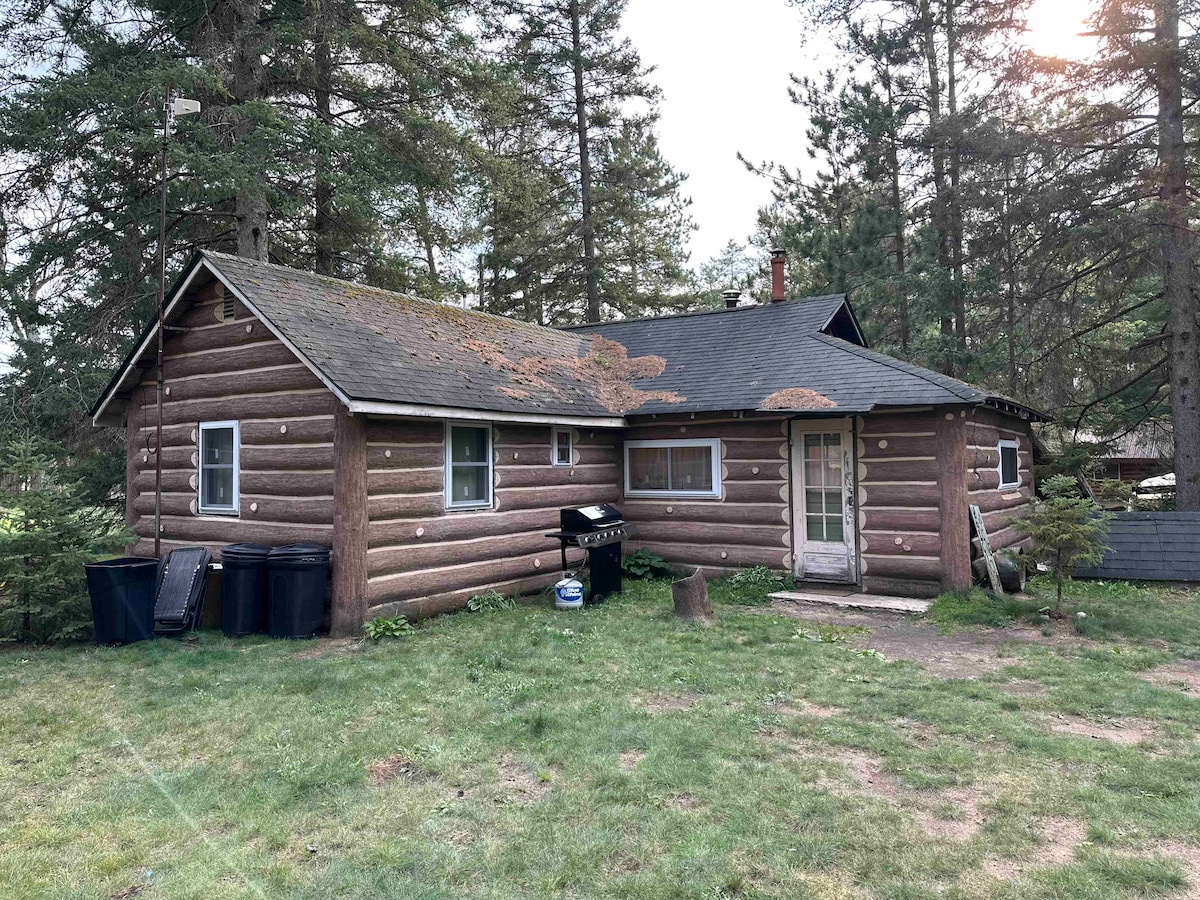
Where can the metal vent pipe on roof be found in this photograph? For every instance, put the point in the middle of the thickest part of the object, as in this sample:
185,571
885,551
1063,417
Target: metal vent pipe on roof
778,261
731,297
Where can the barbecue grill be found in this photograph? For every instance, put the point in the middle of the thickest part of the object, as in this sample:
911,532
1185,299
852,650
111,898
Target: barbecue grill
598,529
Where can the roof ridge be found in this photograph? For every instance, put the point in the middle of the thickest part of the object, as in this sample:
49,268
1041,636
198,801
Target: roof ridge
508,320
691,313
906,367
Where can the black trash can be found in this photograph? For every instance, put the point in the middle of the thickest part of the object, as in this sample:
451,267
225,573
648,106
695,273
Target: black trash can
244,588
122,592
298,583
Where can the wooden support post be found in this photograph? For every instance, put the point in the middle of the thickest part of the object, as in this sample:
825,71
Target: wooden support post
350,523
953,500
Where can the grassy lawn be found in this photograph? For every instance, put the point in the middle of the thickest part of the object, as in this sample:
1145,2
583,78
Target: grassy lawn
612,752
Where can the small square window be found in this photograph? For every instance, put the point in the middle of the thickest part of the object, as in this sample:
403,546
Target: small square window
468,466
1010,466
219,446
563,447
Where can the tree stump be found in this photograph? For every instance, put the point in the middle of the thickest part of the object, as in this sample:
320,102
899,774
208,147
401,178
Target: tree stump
691,598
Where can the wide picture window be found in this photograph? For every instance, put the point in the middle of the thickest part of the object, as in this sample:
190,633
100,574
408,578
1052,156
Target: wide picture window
468,466
673,468
219,467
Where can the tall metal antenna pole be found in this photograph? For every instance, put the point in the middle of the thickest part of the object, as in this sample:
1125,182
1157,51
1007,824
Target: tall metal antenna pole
162,294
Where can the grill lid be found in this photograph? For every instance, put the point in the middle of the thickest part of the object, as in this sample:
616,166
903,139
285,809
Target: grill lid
583,519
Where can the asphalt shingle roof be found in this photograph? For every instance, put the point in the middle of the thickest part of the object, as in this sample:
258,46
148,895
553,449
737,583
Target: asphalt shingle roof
385,346
1147,546
378,345
734,359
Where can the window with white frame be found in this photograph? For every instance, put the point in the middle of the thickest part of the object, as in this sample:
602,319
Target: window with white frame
1010,466
468,466
219,445
681,468
563,446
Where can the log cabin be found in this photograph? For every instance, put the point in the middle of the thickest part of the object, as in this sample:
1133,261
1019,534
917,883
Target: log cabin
432,446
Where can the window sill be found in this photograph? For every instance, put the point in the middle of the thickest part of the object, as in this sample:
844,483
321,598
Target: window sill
469,507
1006,487
672,495
220,513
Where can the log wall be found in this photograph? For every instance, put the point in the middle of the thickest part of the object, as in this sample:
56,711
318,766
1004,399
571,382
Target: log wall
423,559
1000,508
217,370
899,503
748,525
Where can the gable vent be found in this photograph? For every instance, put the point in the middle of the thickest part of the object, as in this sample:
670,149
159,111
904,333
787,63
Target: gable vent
227,310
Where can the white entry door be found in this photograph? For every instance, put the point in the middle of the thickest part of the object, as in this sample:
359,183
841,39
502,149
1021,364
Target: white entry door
823,503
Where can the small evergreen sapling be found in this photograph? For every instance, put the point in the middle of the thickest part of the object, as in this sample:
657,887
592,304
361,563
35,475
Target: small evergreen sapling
1067,529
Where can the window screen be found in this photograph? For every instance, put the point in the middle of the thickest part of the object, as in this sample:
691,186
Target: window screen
219,467
469,466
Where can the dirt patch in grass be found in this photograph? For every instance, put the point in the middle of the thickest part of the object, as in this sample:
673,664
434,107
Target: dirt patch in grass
1188,857
805,708
325,647
1182,675
519,783
395,768
954,814
629,759
1125,732
658,704
127,893
968,653
1023,687
1058,840
685,800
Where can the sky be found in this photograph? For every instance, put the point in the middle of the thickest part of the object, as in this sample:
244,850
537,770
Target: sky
724,79
724,76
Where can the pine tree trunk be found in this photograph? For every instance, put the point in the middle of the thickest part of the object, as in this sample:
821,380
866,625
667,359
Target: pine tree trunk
324,215
250,203
587,225
937,158
955,196
1178,251
899,220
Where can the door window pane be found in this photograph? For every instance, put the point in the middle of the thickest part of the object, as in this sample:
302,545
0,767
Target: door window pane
823,474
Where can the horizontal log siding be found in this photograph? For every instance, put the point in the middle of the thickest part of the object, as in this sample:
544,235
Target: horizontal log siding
424,560
1000,508
748,525
218,370
899,516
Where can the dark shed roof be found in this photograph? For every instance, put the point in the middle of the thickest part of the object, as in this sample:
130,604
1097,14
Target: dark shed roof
1150,546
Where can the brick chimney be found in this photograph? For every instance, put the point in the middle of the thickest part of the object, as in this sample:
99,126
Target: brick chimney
778,261
731,297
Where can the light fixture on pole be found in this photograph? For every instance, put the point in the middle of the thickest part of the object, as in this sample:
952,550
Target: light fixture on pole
172,107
